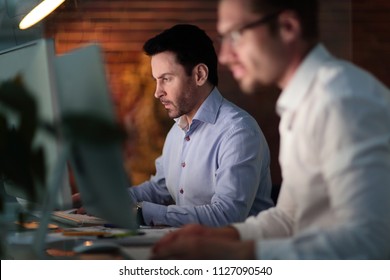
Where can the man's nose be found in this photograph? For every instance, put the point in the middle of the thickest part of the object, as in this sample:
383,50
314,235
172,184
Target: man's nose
226,52
159,91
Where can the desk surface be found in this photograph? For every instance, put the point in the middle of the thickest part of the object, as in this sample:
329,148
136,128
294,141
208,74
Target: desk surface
64,250
60,246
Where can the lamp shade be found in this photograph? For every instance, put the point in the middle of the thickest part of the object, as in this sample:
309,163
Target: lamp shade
39,12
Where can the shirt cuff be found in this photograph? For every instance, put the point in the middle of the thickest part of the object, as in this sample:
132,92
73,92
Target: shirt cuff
267,249
154,214
245,232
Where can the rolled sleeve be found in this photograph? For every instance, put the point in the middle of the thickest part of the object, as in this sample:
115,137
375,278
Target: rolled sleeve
154,214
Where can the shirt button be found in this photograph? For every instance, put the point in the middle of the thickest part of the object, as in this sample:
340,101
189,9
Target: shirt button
181,191
187,138
183,164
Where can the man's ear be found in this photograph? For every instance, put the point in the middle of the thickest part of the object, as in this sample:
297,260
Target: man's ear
290,28
201,72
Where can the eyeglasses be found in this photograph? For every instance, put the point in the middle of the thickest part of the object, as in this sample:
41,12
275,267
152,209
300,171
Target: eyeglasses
235,35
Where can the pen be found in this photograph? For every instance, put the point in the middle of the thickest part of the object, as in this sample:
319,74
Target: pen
110,226
103,234
86,233
122,234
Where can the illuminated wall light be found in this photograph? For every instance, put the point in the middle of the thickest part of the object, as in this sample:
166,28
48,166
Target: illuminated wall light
39,12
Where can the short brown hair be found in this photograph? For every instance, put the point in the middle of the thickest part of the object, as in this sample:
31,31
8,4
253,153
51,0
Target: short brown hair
306,10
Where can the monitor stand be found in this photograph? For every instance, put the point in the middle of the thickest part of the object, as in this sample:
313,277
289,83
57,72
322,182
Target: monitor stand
54,185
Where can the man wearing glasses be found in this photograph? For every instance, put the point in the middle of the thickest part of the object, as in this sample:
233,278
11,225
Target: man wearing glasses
334,150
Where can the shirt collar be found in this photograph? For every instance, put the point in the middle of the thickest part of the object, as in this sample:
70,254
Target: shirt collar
207,112
299,85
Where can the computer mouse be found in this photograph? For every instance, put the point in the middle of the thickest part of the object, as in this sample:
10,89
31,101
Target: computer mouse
102,247
96,247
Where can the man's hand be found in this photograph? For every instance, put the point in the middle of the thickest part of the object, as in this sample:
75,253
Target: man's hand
200,242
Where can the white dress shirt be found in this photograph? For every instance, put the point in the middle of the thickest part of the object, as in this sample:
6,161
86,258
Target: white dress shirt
335,158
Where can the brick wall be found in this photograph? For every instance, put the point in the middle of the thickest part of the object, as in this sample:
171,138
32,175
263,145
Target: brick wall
354,30
371,37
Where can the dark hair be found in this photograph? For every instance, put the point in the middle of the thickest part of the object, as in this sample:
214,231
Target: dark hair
306,10
191,46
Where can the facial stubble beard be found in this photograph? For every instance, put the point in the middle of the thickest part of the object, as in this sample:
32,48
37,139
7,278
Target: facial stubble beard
252,87
183,106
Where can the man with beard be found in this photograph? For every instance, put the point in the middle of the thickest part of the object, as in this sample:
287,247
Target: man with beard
214,168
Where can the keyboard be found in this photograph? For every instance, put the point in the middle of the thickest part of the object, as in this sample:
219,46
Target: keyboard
69,217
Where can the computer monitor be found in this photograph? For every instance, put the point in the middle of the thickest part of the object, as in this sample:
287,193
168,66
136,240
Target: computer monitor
98,168
74,83
33,61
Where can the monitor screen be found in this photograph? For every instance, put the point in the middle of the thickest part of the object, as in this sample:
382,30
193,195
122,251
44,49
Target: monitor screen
34,63
98,168
72,84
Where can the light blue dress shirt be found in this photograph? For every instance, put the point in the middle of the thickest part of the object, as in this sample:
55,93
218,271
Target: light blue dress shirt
215,172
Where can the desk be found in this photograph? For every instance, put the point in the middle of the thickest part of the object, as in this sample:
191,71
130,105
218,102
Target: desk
63,250
58,246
